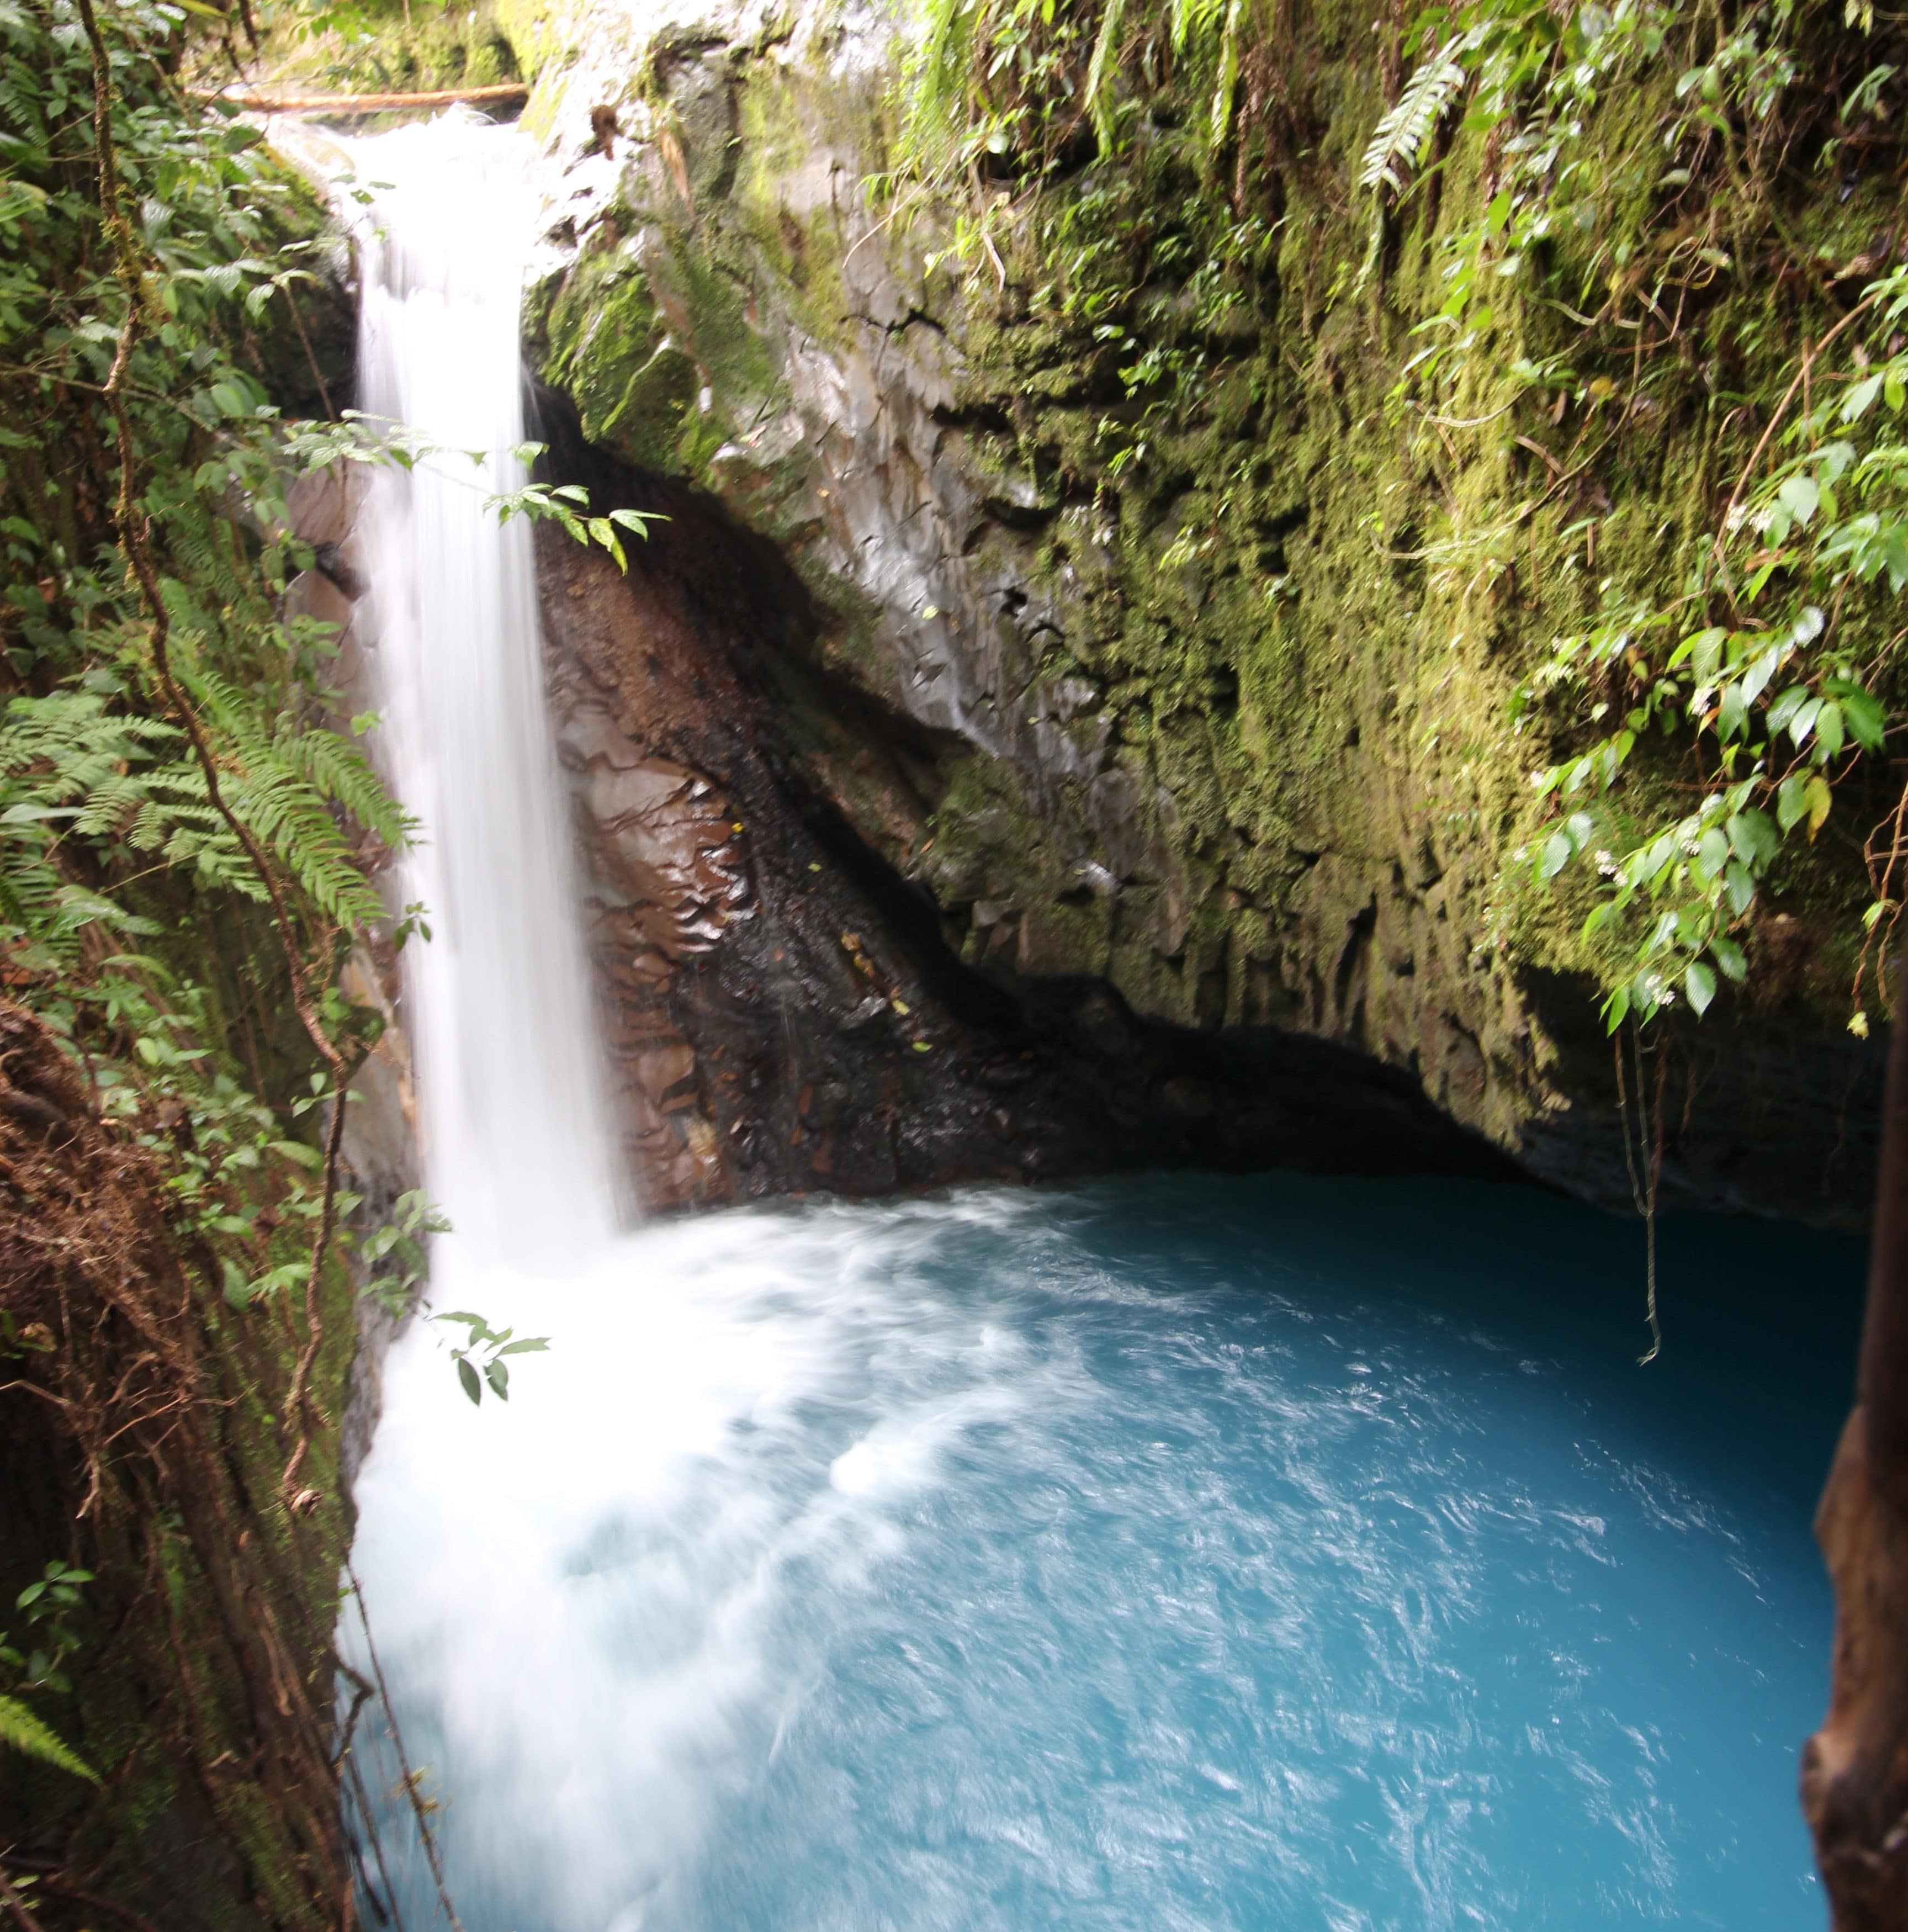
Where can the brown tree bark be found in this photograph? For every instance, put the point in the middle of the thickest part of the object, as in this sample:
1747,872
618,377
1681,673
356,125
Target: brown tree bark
1855,1769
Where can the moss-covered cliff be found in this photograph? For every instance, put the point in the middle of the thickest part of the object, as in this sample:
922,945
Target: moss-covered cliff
1123,482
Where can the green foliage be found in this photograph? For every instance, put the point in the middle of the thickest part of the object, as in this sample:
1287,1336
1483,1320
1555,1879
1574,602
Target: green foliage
1403,138
386,45
76,772
1005,87
1768,674
47,1602
22,1731
567,505
482,1359
96,784
394,1257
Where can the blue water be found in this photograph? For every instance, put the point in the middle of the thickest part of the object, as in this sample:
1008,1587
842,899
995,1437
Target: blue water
1272,1554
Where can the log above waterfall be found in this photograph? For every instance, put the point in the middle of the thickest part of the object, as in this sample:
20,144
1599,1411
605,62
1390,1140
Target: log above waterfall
503,94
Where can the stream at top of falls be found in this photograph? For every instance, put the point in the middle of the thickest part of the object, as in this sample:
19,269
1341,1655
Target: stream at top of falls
1264,1555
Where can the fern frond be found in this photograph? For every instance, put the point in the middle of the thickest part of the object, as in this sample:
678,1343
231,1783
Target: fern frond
938,63
64,757
342,775
1226,90
1404,136
26,1734
1101,71
1193,19
288,816
29,889
282,790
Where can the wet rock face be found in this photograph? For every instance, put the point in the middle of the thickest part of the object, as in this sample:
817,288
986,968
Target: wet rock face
1179,745
783,1010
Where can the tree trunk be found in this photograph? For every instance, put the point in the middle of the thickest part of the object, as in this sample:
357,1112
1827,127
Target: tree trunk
1855,1769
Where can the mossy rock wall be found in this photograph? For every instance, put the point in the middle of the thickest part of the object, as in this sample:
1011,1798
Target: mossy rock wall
388,49
1225,716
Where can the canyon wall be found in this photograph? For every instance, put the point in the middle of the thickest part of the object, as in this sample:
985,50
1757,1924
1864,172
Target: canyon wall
1202,743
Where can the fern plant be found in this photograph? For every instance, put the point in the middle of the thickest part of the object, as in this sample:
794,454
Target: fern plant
20,1730
75,773
1403,138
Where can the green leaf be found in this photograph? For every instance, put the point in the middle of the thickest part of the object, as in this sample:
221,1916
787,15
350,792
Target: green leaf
1867,722
1755,840
498,1376
467,1374
530,1344
287,1275
20,1728
1729,957
1558,850
1792,800
1756,678
1786,706
1801,497
1861,398
1703,649
1700,984
1820,799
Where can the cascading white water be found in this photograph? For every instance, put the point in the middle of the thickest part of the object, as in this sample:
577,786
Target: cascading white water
496,1003
1277,1557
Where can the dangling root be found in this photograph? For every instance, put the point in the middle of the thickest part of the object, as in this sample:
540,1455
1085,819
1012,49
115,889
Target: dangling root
1644,1160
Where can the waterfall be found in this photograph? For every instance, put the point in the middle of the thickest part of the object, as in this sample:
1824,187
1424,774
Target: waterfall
1178,1553
496,1003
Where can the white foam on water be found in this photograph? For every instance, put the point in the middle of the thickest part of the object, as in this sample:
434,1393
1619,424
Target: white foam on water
606,1592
